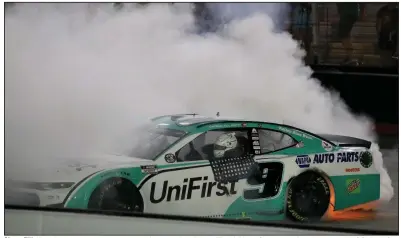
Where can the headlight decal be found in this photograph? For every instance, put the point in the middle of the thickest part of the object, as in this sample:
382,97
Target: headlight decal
39,185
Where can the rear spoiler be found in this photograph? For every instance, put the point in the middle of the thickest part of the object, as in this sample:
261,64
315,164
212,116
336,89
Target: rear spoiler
346,141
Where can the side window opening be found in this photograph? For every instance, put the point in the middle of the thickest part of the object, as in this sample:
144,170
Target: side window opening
215,144
271,140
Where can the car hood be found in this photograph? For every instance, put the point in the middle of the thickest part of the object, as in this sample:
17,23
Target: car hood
76,169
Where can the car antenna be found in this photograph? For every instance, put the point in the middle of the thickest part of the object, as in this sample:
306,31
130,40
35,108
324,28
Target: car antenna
217,114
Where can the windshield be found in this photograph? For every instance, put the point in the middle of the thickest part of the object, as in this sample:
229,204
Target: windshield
149,142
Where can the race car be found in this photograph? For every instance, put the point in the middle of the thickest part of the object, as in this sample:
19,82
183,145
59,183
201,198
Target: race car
194,165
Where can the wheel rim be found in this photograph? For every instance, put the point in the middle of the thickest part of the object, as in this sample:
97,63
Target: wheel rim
307,198
116,200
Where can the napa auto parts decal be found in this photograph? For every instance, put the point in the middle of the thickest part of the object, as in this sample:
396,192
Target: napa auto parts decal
304,161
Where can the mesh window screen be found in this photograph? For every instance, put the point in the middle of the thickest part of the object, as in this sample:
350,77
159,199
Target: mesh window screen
232,169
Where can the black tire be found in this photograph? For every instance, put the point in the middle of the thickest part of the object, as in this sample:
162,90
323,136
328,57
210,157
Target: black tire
117,194
308,197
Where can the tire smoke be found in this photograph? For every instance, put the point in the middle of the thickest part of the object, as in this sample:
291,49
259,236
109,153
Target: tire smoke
76,76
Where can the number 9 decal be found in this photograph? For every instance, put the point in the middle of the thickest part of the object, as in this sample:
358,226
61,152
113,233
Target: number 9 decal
265,181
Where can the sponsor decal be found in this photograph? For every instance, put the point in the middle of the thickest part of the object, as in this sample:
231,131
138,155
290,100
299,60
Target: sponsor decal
353,186
244,216
149,169
303,161
323,158
366,159
190,187
326,146
340,157
255,141
170,158
345,157
283,129
225,125
352,170
295,132
116,173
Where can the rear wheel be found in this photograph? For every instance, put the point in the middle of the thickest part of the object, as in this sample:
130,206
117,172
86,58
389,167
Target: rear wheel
116,194
308,197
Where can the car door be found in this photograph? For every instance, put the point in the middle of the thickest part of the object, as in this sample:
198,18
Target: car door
269,143
193,184
263,191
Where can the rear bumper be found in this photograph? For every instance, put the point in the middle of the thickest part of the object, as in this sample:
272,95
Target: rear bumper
348,195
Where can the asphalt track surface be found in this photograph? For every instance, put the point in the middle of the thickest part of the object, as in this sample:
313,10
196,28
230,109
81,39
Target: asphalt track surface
387,218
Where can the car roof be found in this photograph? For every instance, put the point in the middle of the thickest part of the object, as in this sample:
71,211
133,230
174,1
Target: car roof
183,120
193,123
189,122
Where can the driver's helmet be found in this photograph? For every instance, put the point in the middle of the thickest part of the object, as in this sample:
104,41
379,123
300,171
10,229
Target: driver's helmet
224,143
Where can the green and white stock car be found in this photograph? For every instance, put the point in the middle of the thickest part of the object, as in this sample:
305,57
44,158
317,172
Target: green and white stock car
211,167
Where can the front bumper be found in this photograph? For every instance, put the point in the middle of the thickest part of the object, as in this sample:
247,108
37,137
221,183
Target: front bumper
22,198
36,198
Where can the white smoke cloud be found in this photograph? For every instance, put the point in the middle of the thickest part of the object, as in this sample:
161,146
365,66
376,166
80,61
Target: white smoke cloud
226,12
76,76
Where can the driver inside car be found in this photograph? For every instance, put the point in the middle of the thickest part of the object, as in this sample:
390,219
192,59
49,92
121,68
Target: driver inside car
228,145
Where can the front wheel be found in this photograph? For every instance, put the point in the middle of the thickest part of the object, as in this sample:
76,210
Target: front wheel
308,197
116,194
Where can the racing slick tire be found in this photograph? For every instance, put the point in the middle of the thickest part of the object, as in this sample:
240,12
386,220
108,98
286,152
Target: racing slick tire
308,197
117,194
